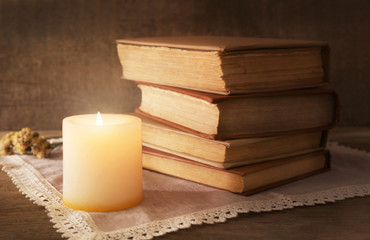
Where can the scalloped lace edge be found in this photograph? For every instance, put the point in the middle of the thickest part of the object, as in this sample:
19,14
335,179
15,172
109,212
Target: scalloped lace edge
79,225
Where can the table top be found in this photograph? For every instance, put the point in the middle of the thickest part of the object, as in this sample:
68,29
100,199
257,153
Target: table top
347,219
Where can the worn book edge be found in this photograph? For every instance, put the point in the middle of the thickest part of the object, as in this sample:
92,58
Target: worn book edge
325,83
216,98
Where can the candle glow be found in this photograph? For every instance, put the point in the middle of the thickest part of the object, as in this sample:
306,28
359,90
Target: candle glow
99,119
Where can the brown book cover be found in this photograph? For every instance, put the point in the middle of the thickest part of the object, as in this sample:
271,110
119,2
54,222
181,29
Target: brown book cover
247,179
216,98
220,43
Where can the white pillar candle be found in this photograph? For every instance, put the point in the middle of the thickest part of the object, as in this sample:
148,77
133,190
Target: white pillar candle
102,166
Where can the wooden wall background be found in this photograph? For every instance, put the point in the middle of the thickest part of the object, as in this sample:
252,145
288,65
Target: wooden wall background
58,58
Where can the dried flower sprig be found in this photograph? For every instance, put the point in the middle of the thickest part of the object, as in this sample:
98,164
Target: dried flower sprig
42,148
6,144
25,141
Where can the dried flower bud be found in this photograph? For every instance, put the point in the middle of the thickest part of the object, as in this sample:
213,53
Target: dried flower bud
41,148
6,144
24,139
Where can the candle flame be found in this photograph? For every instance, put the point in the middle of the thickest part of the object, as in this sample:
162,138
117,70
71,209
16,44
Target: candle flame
99,120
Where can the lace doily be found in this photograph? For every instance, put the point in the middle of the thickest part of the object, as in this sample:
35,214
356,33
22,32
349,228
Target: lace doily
40,181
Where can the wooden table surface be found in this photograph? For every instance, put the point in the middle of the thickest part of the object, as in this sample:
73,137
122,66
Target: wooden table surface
347,219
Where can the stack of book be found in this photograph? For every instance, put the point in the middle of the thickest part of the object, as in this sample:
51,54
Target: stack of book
240,114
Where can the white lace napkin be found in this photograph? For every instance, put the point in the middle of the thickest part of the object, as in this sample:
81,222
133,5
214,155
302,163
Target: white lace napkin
170,204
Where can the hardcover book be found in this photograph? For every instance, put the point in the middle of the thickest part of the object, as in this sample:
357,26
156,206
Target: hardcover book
225,65
215,116
228,153
246,179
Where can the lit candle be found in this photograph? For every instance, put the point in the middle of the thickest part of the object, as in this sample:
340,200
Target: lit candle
102,166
